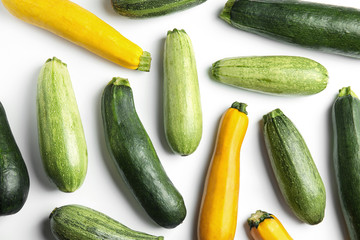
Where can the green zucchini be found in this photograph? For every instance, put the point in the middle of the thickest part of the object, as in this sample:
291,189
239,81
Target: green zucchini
14,177
280,75
151,8
135,157
324,27
346,157
295,171
77,222
182,107
61,136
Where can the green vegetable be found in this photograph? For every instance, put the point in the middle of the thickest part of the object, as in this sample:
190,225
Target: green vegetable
325,27
14,177
77,222
131,149
346,125
285,75
182,107
61,137
151,8
294,168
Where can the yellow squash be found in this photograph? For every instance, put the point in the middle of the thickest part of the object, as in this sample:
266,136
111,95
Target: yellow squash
218,211
265,226
81,27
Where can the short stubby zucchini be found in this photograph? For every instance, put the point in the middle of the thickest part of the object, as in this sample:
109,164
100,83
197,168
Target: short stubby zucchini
14,177
135,157
78,222
62,142
346,157
151,8
319,26
295,171
279,75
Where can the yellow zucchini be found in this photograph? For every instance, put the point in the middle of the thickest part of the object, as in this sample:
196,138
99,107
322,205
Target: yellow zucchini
218,211
78,25
265,226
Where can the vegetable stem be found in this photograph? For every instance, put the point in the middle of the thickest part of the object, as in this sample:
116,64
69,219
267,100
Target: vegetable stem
240,106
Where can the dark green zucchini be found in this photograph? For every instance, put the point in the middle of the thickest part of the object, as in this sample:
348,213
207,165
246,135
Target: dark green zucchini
14,177
346,157
151,8
325,27
295,171
131,149
75,222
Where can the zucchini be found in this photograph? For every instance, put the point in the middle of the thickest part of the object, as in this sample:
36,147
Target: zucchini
295,171
14,177
346,157
135,157
281,75
77,222
319,26
61,136
151,8
182,107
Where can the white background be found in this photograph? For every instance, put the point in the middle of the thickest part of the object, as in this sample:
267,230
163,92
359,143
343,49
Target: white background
23,50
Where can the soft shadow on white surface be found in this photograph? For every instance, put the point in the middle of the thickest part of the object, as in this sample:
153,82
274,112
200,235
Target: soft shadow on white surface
45,229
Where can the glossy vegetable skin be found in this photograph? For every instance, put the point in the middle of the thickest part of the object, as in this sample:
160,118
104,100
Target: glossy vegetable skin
14,177
319,26
182,106
62,141
346,157
265,226
295,171
135,157
76,24
279,75
77,222
219,206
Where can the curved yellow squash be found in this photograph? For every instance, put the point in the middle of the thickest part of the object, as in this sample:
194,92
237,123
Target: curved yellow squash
218,211
265,226
81,27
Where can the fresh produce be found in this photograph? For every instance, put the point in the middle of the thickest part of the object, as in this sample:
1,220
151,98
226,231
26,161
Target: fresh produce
295,171
61,136
14,177
151,8
133,153
265,226
77,222
218,211
313,25
182,107
346,125
281,75
74,23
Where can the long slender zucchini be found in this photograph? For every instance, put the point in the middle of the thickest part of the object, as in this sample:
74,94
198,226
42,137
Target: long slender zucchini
182,107
295,171
346,157
77,222
78,25
281,75
14,177
151,8
131,149
325,27
61,136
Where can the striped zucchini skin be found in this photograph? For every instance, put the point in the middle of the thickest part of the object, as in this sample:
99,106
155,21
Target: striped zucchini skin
295,171
346,157
151,8
61,137
182,106
324,27
279,75
77,222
